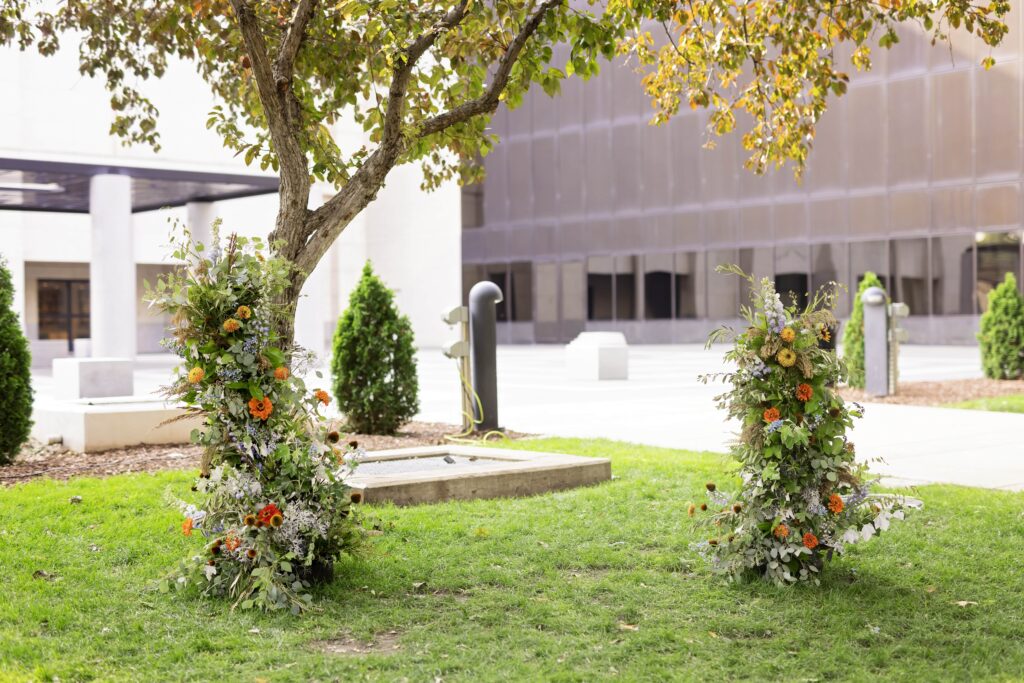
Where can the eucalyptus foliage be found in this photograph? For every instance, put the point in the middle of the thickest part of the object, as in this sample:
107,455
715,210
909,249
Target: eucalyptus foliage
274,509
804,496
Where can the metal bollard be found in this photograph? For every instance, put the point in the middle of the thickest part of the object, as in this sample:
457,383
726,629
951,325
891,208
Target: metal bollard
876,341
483,298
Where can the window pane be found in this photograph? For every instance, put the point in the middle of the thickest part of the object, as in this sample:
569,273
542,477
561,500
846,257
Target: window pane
53,299
792,266
723,288
998,254
80,328
689,272
80,298
599,288
865,257
756,261
909,259
953,275
658,286
829,264
575,302
53,328
521,301
625,288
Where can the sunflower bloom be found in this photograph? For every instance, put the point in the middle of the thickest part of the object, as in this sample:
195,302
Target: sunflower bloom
804,392
788,334
835,503
261,408
282,373
786,358
231,325
824,333
781,531
810,541
277,520
196,375
771,415
244,312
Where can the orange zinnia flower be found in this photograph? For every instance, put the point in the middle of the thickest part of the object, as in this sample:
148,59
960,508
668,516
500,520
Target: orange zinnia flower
835,503
322,396
186,526
244,312
261,409
232,542
788,334
282,373
772,414
230,325
804,392
195,375
810,541
781,531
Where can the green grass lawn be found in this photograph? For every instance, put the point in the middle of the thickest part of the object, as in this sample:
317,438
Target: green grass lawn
1002,404
584,585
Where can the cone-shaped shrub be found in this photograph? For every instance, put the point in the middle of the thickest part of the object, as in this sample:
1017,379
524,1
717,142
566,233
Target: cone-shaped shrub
1002,332
853,334
374,362
15,375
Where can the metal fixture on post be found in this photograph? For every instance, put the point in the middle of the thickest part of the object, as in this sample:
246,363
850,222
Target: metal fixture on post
459,350
897,335
483,298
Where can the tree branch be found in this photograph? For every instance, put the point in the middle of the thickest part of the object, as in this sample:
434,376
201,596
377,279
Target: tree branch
285,62
488,102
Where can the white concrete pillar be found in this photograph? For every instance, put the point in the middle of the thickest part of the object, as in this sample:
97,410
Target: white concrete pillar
113,298
200,217
12,251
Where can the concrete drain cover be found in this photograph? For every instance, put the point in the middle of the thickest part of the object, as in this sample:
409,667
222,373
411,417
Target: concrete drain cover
409,476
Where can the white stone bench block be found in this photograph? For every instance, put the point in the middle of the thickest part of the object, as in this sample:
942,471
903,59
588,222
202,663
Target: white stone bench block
75,378
598,356
88,426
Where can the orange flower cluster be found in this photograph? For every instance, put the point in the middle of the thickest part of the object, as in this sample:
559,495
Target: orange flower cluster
781,531
282,373
232,542
788,334
322,396
835,503
195,375
810,541
231,325
186,526
261,409
772,414
244,312
804,392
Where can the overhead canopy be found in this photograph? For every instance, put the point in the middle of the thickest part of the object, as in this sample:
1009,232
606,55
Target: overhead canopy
35,185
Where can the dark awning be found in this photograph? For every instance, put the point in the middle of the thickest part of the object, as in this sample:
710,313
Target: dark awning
36,185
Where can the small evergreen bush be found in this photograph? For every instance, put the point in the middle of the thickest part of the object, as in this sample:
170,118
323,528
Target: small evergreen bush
1001,336
853,334
374,362
15,374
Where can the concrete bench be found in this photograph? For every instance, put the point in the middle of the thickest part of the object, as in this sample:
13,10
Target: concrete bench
597,356
75,378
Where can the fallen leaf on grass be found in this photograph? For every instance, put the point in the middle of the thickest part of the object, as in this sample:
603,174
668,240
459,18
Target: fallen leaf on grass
623,626
45,575
930,589
964,603
75,500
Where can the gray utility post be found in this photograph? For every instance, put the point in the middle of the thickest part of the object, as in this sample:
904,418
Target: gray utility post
876,341
483,353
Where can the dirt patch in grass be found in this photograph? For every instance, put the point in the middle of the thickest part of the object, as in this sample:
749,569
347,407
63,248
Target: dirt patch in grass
940,393
382,643
37,459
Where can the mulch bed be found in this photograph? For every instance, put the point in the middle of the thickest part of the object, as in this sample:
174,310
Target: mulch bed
940,393
55,462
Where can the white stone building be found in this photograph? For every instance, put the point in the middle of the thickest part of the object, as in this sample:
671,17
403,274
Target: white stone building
98,223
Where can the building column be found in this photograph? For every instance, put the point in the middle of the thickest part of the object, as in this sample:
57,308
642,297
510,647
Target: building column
12,251
113,296
200,217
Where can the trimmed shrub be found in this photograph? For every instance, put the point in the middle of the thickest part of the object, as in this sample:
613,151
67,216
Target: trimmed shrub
15,374
1001,335
374,361
853,334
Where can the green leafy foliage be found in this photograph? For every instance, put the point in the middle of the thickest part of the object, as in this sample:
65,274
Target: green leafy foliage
1001,333
15,374
275,510
853,334
803,498
374,361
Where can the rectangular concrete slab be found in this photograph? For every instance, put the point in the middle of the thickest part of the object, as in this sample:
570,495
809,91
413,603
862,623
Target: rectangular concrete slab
98,425
410,476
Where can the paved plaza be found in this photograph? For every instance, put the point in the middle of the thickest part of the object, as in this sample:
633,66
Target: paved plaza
664,404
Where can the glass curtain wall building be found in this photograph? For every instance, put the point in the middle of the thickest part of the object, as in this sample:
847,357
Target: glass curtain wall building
590,218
